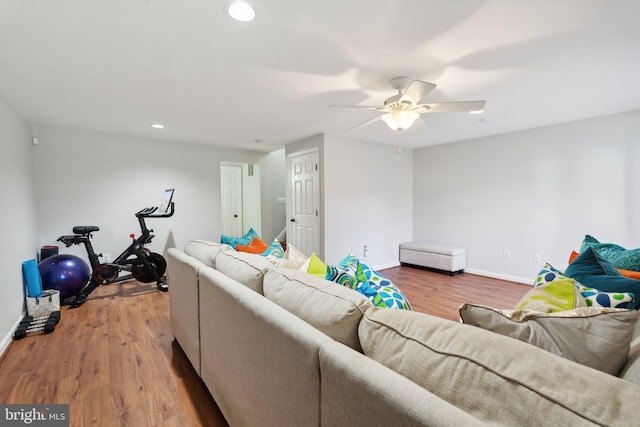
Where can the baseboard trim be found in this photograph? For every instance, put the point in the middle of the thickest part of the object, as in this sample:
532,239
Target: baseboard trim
387,265
526,281
4,344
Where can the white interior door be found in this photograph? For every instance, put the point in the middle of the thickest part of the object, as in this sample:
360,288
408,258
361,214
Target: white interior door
303,226
231,195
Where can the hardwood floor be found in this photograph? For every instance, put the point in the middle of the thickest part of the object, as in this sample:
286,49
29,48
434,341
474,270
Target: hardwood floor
115,362
441,295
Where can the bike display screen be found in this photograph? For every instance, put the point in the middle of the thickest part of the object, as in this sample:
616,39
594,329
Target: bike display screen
166,201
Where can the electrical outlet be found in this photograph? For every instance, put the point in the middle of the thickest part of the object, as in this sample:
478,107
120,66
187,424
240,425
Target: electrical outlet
506,254
365,249
537,258
106,257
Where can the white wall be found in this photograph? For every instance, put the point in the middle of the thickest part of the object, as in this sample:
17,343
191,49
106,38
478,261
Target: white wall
274,177
367,200
17,220
534,191
88,178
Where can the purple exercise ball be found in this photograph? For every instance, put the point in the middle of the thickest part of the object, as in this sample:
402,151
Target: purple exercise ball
66,273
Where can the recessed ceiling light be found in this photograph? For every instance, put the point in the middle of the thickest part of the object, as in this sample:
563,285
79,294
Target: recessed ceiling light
476,111
241,11
157,126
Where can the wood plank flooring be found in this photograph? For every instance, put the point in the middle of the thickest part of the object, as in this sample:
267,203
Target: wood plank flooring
115,362
440,295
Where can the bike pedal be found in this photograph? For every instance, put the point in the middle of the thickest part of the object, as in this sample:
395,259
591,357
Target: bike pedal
79,300
162,287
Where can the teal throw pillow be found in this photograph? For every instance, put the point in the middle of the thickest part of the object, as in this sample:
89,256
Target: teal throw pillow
243,240
592,271
618,256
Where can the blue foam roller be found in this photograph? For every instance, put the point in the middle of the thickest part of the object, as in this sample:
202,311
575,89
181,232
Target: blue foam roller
31,278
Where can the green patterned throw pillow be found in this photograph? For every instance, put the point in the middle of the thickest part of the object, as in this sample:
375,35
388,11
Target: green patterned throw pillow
593,297
558,295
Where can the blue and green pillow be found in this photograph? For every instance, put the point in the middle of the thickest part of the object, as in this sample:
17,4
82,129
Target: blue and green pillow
365,280
275,249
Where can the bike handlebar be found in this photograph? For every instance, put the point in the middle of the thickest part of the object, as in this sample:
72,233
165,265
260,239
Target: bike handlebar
149,212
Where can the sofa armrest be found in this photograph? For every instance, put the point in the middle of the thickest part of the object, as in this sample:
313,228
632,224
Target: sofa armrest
182,277
259,361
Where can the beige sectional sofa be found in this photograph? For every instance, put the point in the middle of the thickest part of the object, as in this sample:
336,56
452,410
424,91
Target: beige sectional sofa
278,347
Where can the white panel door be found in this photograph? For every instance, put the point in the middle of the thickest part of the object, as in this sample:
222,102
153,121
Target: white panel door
303,228
231,195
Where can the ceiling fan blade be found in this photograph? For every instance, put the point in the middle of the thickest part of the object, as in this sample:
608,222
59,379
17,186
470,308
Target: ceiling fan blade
418,90
454,107
368,122
361,107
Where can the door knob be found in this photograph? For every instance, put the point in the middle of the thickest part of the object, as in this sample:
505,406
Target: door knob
293,220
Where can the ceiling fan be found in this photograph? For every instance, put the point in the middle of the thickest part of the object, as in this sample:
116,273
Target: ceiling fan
402,110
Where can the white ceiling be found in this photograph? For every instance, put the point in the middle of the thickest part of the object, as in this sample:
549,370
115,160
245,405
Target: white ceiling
118,66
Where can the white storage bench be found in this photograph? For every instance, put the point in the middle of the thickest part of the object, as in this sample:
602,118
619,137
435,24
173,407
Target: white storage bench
432,256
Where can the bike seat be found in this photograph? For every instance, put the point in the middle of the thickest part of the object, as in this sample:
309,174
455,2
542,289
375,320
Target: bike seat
85,229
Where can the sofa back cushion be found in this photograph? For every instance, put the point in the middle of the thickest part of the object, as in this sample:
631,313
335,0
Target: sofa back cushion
495,378
204,251
356,391
329,307
597,337
246,268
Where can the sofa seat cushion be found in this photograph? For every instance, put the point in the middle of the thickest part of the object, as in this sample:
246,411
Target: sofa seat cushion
329,307
246,268
595,337
204,251
513,382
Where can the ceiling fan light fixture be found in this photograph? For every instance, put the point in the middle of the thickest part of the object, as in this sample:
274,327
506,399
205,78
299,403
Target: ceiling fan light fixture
241,11
401,119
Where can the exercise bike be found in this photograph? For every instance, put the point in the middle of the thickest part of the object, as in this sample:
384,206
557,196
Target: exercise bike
138,261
